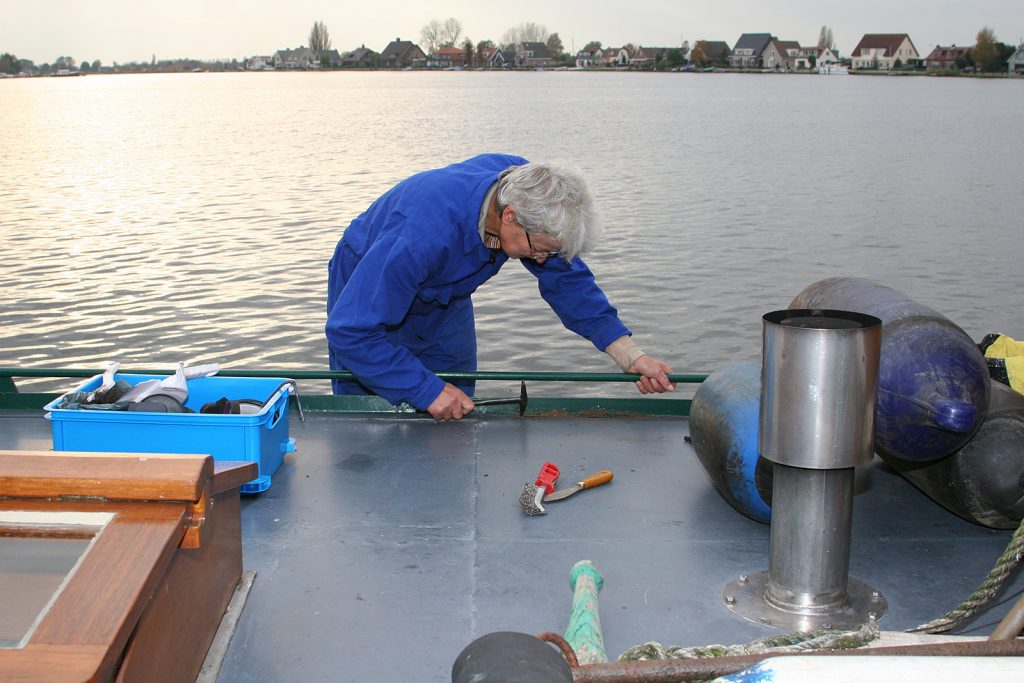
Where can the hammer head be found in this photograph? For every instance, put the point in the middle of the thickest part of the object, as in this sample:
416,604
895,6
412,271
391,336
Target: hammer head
521,401
530,499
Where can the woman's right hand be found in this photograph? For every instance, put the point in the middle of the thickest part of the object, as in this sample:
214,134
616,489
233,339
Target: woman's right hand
451,404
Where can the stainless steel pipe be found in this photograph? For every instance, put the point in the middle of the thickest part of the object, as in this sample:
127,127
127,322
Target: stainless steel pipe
818,376
809,546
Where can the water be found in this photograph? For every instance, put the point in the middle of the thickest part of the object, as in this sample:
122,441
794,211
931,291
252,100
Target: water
151,219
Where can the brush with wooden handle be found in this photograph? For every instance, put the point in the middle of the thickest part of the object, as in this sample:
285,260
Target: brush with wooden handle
602,477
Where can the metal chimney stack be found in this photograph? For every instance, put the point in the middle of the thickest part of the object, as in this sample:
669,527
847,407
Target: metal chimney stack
818,376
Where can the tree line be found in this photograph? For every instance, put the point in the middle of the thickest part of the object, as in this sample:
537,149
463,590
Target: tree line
10,64
987,54
437,34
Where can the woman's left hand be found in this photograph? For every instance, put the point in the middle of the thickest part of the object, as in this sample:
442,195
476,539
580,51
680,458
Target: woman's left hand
655,375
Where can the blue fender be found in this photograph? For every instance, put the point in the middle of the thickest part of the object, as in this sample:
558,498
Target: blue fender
933,382
724,424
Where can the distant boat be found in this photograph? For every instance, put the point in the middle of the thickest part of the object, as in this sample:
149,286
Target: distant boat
66,72
833,69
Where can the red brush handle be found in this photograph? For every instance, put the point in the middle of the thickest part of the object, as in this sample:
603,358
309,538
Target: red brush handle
547,477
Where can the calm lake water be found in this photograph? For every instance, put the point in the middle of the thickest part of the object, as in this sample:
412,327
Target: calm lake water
156,218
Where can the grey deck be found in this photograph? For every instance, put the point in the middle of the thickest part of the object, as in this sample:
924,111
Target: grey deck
385,545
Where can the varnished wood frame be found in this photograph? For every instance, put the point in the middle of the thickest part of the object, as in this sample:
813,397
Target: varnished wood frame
145,600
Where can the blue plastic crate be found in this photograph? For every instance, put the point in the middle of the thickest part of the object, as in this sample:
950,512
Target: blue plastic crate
259,437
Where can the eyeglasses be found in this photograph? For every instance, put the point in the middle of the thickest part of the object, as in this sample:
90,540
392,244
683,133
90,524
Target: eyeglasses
550,253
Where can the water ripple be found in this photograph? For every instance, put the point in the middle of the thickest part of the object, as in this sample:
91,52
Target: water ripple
156,218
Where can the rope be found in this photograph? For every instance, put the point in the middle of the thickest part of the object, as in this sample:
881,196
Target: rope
825,639
976,601
845,640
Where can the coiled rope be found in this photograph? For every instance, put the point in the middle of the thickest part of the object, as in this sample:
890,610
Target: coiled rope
982,596
844,640
825,639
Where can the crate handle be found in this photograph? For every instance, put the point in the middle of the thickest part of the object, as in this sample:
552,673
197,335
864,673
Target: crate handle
279,413
288,387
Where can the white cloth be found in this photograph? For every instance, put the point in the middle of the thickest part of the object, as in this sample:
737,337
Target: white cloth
108,377
175,386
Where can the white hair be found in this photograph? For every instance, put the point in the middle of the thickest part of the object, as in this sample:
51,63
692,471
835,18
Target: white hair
552,199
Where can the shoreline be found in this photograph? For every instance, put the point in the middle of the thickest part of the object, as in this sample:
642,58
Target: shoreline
716,70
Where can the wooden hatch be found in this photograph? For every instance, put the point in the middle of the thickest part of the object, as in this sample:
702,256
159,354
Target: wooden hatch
115,566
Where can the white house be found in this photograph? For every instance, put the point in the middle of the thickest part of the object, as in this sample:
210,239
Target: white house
299,58
805,55
1015,64
589,55
827,56
780,54
749,49
883,50
259,63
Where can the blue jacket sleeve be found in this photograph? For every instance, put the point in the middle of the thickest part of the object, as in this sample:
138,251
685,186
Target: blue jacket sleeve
379,294
572,292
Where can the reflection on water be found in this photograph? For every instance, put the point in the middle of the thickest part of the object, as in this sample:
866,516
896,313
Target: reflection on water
149,219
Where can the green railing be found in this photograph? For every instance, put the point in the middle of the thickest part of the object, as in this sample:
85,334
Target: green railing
11,398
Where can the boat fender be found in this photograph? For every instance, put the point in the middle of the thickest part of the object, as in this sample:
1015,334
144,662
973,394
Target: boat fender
933,382
724,425
983,482
510,657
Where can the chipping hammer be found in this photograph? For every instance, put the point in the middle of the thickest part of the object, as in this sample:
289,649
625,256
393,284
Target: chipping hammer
533,493
521,401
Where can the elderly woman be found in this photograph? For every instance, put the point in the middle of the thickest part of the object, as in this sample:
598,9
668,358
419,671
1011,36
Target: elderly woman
401,278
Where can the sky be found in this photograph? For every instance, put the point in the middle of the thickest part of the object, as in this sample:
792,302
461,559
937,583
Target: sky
137,30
